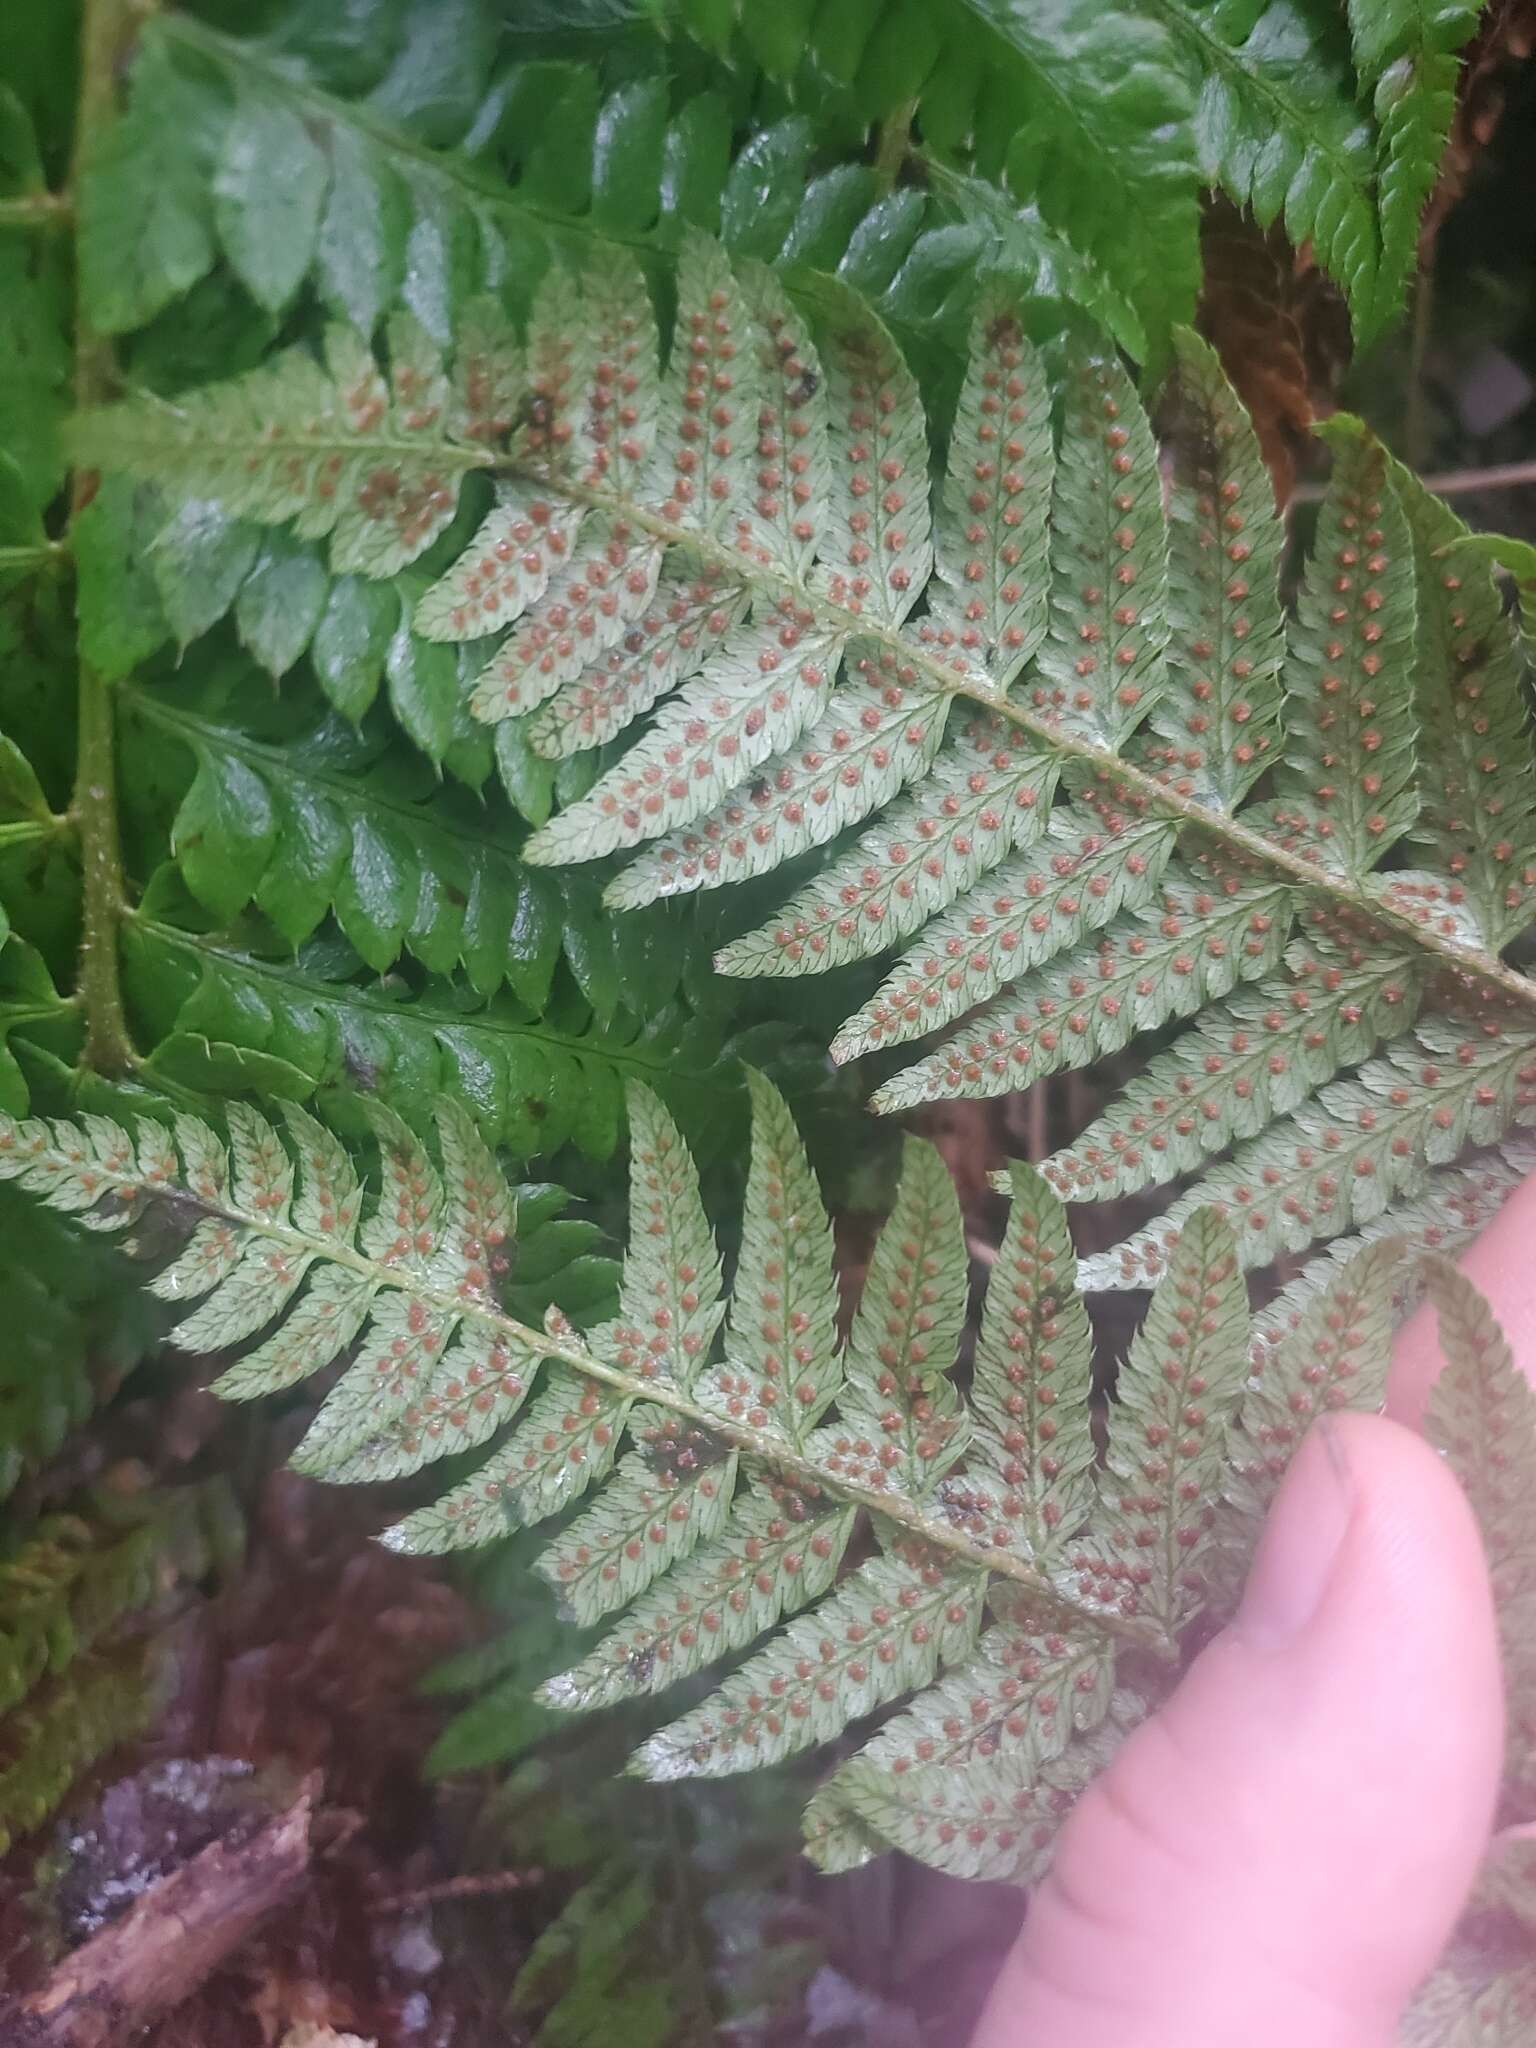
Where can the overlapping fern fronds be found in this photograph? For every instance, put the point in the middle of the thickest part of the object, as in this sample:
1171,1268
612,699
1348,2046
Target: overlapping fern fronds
1108,120
1105,784
1070,154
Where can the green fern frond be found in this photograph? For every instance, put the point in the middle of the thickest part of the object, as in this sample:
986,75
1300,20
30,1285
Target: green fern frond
1220,714
535,162
1455,1205
1278,129
1482,1414
1259,99
757,1456
1340,1158
1246,1062
1406,56
1477,813
814,542
539,1065
326,821
914,1538
1335,1355
1106,143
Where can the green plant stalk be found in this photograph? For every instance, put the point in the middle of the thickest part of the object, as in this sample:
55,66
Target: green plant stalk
35,210
893,144
108,1046
26,831
31,555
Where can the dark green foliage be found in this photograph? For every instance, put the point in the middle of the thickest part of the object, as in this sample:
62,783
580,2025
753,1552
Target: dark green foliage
75,1328
669,1913
80,1599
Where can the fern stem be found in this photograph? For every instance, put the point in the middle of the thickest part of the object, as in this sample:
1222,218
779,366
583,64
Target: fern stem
35,210
108,1046
1157,797
893,145
39,555
23,831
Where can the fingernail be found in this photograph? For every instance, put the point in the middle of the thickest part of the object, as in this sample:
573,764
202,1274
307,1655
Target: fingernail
1300,1544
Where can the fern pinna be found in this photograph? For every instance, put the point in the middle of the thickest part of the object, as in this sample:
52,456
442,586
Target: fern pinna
1104,783
915,1530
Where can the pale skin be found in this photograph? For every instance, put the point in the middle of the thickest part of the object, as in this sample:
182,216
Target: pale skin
1279,1856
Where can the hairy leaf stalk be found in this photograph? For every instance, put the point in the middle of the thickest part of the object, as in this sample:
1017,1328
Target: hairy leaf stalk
108,1044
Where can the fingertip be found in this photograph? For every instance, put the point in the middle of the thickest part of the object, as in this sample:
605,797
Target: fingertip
1284,1848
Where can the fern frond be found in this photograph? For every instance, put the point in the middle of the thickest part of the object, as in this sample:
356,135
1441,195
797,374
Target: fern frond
1177,1391
665,1500
1340,1158
992,1571
984,797
1033,1373
1164,960
1476,2011
325,822
1346,780
779,1348
1477,814
363,461
1221,710
1257,99
550,160
1103,660
812,692
1405,53
1454,1207
1277,127
1336,1355
1072,882
986,1820
1108,148
1482,1414
538,1072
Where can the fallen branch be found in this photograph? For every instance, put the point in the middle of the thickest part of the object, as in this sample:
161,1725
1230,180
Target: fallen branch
169,1941
476,1885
